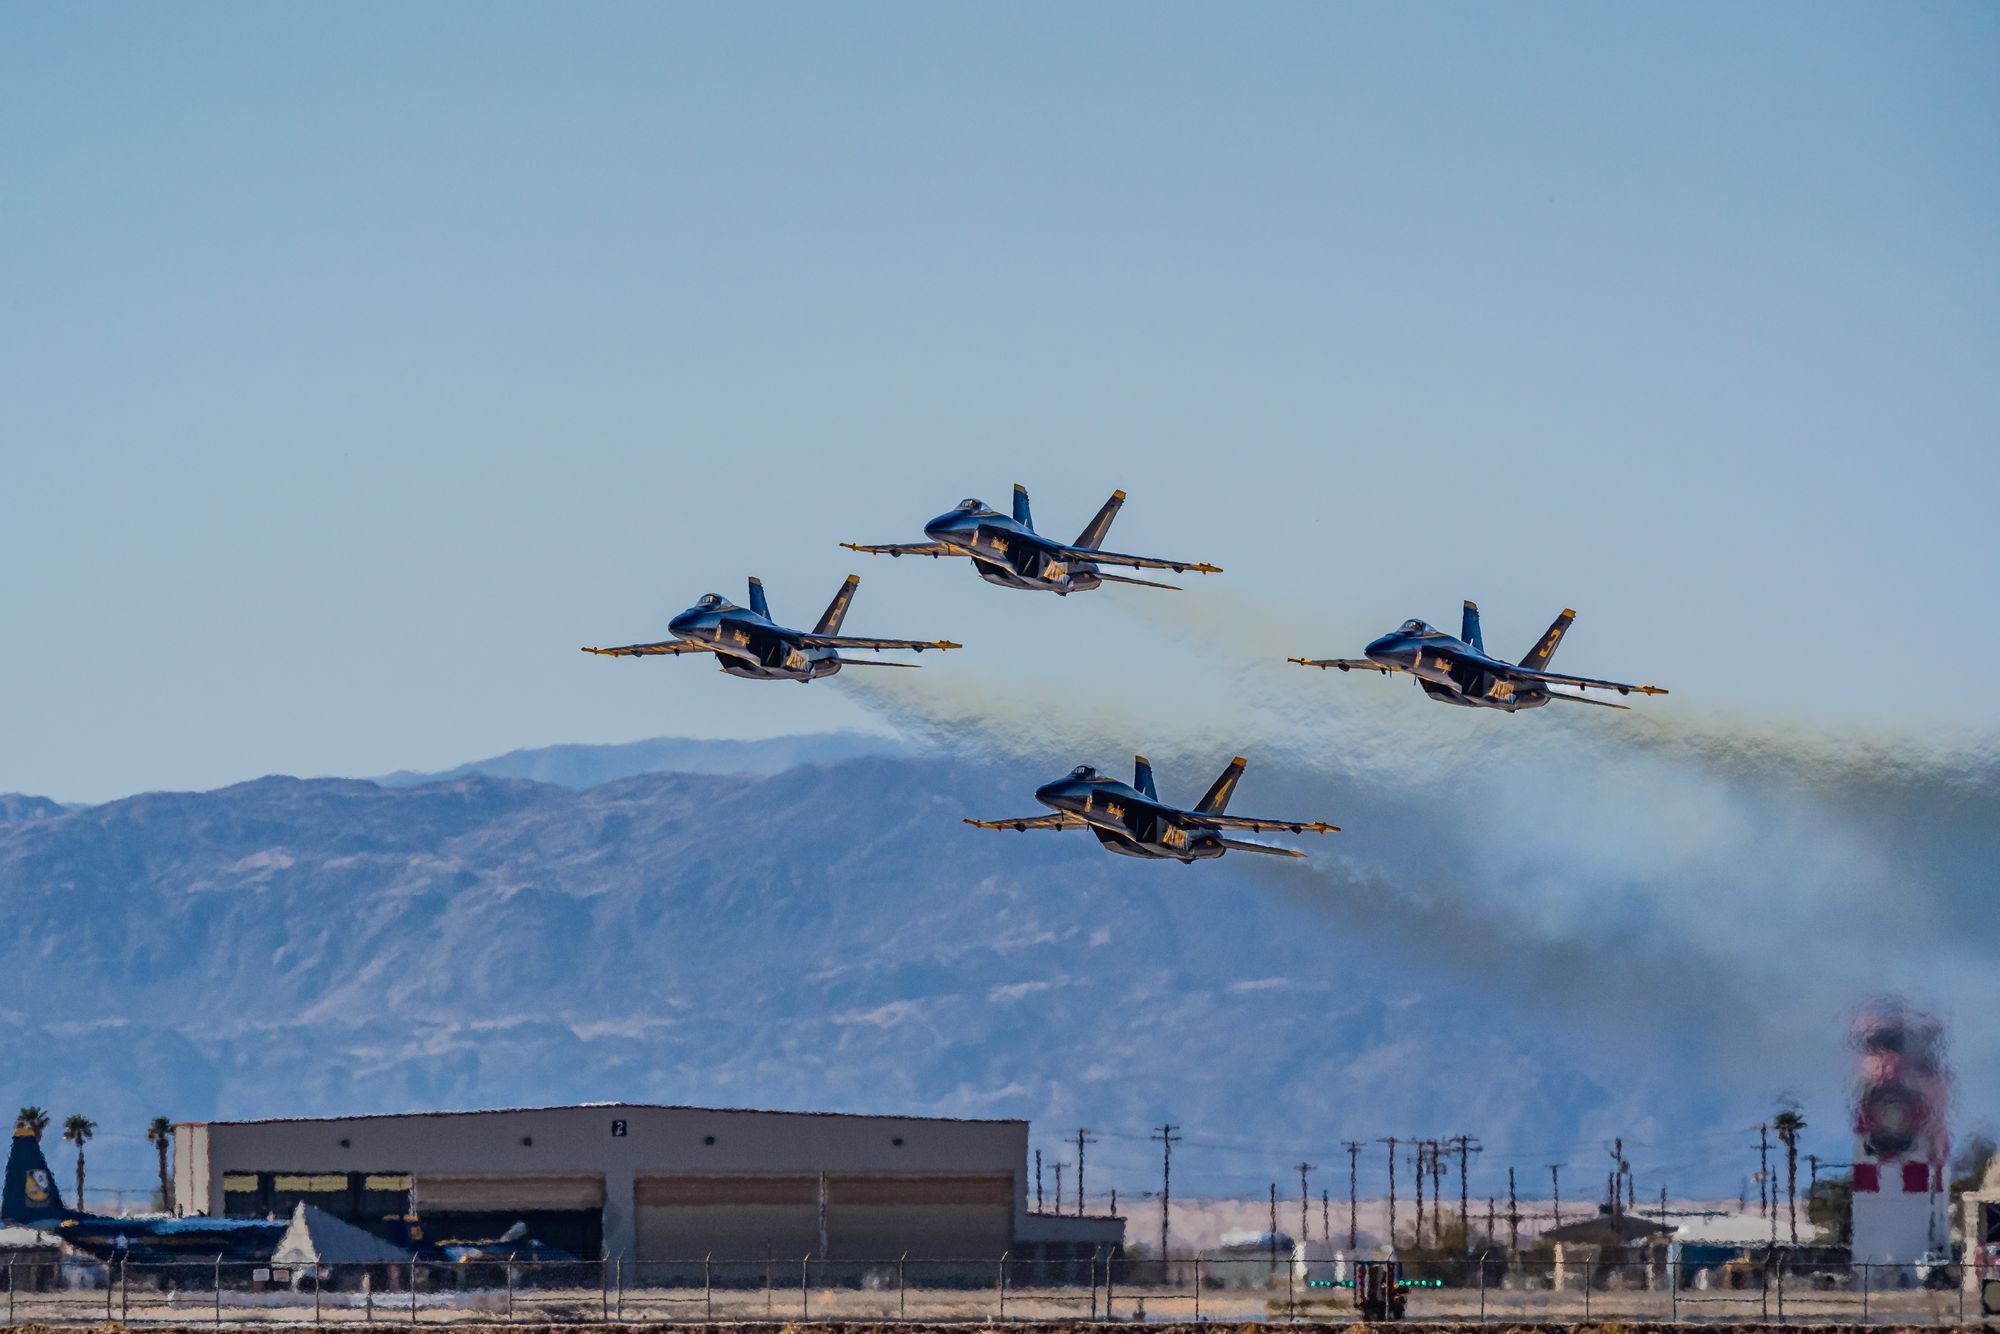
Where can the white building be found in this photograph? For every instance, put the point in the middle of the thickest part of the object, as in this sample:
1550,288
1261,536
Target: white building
650,1184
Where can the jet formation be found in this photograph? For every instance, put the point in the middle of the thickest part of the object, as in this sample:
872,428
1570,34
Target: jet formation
1460,671
1128,819
1009,552
750,644
1132,821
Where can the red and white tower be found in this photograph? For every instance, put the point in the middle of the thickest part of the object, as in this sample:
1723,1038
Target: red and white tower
1901,1140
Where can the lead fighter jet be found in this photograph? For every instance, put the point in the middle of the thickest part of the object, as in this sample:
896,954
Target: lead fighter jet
1134,822
1009,552
1459,671
750,644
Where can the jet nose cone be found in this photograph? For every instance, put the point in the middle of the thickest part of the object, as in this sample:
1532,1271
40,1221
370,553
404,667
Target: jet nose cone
1054,794
944,525
684,622
1392,649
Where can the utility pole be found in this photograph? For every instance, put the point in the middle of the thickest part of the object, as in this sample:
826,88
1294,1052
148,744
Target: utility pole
1325,1217
1305,1221
1513,1215
1489,1225
1165,1137
1618,1171
1059,1167
1391,1142
1353,1199
1083,1137
1038,1180
1437,1192
1417,1161
1466,1144
1556,1185
1271,1237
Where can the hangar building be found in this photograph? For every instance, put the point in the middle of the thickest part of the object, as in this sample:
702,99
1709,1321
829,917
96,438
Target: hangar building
649,1183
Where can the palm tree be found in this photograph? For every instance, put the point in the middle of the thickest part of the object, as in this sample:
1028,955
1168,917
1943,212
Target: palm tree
158,1132
32,1119
77,1130
1788,1124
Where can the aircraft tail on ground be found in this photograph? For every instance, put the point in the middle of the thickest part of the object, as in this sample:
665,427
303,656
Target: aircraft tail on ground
757,602
1469,627
1094,532
1216,800
1021,514
30,1193
1142,776
836,610
1545,647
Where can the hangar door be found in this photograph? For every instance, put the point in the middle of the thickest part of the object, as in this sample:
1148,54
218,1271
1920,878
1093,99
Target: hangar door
869,1216
564,1210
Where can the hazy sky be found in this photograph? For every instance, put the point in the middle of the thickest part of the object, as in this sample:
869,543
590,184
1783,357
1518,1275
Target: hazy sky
359,362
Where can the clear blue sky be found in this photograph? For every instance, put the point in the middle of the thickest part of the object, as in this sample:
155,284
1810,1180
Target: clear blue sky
359,362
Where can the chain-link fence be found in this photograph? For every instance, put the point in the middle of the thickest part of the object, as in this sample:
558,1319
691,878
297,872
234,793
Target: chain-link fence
1104,1287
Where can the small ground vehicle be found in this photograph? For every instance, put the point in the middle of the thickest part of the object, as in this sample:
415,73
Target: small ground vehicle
1378,1289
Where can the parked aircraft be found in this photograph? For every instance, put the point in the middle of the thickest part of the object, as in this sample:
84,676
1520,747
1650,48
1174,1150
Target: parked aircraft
30,1198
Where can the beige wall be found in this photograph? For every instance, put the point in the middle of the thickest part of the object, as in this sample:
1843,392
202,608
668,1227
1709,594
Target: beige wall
661,1143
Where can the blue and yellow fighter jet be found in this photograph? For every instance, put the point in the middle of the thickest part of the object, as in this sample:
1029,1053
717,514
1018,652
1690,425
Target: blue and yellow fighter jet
1009,552
1459,671
750,644
29,1198
1134,822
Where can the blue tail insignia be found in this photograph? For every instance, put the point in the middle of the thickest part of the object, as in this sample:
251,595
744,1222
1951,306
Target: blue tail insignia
1469,627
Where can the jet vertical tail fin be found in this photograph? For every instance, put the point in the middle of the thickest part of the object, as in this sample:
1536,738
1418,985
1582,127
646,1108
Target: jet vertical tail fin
1095,531
1021,514
1142,776
836,610
30,1193
1469,626
757,603
1216,800
1545,647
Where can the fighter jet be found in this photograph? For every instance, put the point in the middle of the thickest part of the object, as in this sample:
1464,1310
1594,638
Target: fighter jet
1010,553
750,644
1459,671
1134,822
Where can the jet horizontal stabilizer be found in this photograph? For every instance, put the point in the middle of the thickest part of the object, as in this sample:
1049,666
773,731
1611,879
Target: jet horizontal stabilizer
1579,699
1239,845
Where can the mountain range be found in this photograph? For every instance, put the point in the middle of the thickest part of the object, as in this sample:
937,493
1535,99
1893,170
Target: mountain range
818,930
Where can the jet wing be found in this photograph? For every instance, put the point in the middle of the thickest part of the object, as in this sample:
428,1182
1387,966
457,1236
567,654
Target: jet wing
1096,557
1586,682
904,549
1347,664
855,641
1203,820
1057,820
652,650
